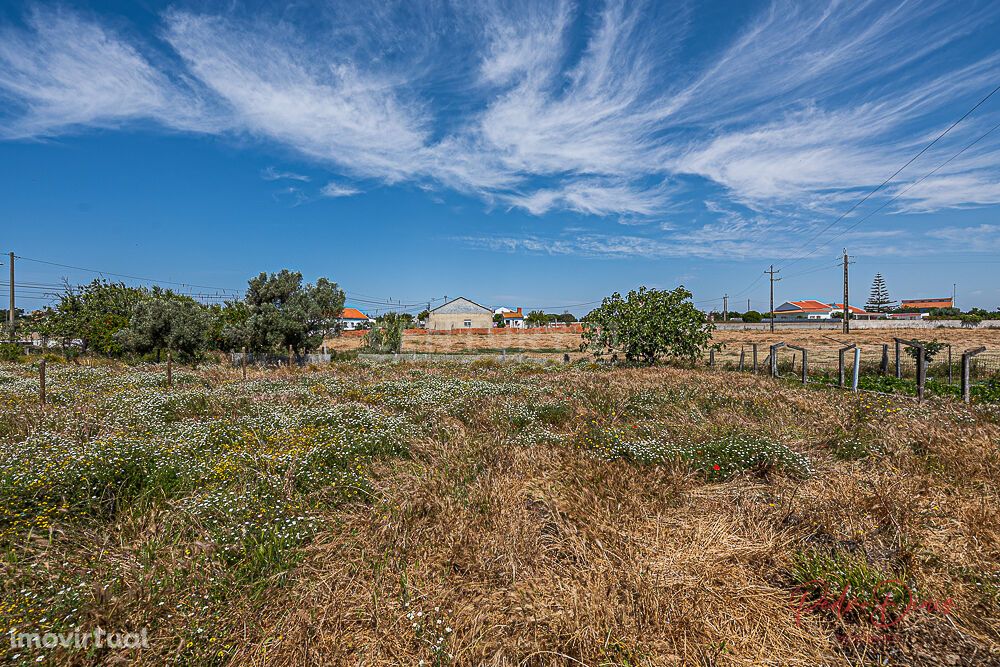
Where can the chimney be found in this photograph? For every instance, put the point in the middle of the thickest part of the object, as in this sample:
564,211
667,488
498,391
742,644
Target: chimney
519,310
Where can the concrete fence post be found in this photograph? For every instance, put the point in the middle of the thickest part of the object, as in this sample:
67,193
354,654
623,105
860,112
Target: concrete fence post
899,370
170,369
743,353
772,358
967,371
883,368
753,346
711,358
243,362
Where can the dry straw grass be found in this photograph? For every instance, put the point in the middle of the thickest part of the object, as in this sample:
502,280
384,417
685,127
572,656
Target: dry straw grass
530,548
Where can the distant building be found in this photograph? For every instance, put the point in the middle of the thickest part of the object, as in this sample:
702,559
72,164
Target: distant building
925,305
352,319
460,313
512,318
796,311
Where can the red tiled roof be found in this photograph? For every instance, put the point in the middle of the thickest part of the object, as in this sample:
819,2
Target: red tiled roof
513,316
853,309
925,303
810,304
353,314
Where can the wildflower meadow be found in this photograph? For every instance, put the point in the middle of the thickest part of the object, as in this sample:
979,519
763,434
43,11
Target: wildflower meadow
486,513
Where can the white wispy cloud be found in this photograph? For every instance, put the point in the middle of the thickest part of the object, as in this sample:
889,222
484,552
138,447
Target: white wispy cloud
548,107
272,174
333,189
63,71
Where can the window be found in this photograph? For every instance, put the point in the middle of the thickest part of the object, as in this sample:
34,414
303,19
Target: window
468,324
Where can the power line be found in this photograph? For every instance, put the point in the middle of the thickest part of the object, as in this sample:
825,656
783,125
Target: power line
896,173
910,186
125,275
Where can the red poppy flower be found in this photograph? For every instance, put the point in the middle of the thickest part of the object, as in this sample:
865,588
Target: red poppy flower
716,467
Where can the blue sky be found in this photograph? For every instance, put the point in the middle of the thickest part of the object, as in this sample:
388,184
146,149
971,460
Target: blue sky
520,154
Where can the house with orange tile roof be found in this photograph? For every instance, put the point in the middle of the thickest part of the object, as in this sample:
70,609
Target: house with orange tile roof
352,318
811,309
513,319
925,305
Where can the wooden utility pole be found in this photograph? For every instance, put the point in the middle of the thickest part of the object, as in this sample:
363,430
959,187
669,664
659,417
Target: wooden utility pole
10,313
847,310
771,272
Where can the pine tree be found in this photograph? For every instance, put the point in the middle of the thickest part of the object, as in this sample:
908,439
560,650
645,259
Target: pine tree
878,300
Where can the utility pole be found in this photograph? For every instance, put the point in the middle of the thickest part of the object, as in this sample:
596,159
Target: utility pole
10,313
847,310
954,286
771,272
725,308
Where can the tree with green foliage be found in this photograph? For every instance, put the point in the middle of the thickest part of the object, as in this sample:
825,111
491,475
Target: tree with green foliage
281,311
878,298
566,318
499,321
387,334
931,349
752,316
536,318
168,322
648,325
93,313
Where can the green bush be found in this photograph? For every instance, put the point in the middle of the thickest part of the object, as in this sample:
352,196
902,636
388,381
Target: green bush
10,352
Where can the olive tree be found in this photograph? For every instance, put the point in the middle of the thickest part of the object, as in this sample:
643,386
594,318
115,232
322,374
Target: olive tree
647,325
283,312
168,322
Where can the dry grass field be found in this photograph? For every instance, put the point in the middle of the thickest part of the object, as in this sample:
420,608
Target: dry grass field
823,345
486,514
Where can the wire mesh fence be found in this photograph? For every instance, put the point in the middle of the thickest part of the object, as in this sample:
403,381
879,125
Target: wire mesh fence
889,367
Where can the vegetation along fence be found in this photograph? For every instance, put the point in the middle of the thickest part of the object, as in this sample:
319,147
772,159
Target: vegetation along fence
904,366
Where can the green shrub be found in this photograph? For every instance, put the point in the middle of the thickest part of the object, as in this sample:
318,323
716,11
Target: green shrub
10,352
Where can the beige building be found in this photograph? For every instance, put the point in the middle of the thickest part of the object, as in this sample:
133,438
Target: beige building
460,313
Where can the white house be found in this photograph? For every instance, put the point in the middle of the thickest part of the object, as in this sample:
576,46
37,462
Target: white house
513,319
352,319
810,309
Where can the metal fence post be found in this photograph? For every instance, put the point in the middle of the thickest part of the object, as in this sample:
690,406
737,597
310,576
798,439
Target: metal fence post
841,371
966,371
805,362
857,368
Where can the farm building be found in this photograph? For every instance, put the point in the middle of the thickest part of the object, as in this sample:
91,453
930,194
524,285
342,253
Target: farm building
925,305
460,313
352,319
